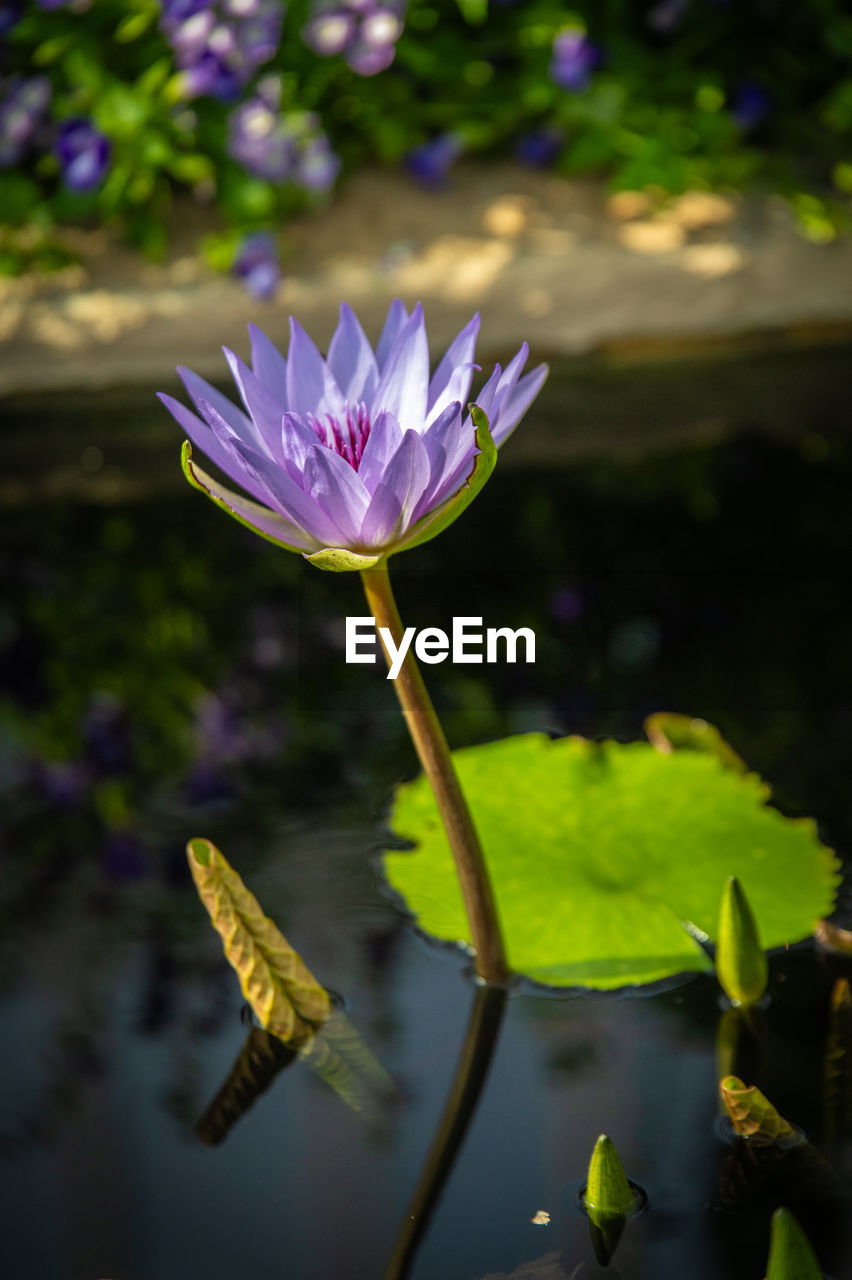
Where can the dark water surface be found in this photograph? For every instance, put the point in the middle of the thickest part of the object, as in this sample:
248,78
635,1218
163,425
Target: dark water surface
165,674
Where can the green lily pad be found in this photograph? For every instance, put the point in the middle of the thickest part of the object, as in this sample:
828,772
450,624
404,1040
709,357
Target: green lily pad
608,860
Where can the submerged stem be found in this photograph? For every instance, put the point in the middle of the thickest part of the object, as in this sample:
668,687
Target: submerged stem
428,737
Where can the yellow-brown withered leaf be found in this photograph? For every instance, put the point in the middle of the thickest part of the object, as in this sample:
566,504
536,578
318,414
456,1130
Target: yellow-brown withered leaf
752,1114
282,991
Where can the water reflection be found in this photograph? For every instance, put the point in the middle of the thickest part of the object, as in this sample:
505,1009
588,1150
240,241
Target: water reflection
486,1017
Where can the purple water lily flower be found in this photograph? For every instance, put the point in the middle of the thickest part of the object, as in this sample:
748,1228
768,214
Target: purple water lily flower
351,458
83,155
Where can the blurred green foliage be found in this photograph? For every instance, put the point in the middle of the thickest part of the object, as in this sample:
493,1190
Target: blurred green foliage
682,95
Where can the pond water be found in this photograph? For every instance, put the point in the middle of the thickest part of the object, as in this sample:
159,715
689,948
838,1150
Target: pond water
164,674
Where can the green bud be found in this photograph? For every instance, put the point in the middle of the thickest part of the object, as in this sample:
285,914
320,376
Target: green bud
607,1190
608,1199
790,1255
740,959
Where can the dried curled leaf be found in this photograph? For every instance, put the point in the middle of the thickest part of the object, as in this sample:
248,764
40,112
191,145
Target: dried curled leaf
285,996
753,1115
830,937
668,731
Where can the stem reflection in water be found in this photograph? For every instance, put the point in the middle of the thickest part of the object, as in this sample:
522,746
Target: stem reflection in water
486,1017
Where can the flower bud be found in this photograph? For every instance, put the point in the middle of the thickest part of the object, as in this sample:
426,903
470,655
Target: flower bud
790,1255
607,1189
740,959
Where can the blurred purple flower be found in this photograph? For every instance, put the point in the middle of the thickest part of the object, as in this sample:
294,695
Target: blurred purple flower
22,111
353,451
281,147
749,105
430,162
364,31
123,856
330,32
665,17
567,605
540,147
83,154
106,736
10,12
257,265
574,59
62,782
219,44
317,166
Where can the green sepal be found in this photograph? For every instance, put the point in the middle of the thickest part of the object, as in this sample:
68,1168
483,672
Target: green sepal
208,486
439,520
790,1254
741,965
342,560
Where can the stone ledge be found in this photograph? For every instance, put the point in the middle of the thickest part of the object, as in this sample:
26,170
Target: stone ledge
554,262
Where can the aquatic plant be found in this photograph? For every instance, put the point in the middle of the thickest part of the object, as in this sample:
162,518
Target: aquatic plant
608,1199
350,460
740,959
373,455
790,1254
606,857
285,996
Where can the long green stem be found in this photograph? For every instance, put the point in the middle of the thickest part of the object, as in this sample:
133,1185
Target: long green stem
431,746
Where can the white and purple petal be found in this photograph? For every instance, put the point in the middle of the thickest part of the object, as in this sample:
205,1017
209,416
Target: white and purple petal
311,386
452,378
514,408
396,318
336,487
351,359
287,497
201,390
404,384
209,442
384,440
269,365
263,408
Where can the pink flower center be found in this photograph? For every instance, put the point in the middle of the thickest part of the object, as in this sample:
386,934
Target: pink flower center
349,437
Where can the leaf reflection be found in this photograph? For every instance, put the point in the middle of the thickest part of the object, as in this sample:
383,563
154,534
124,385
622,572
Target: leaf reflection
336,1053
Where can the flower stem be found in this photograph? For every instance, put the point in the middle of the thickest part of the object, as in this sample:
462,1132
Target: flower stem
431,745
